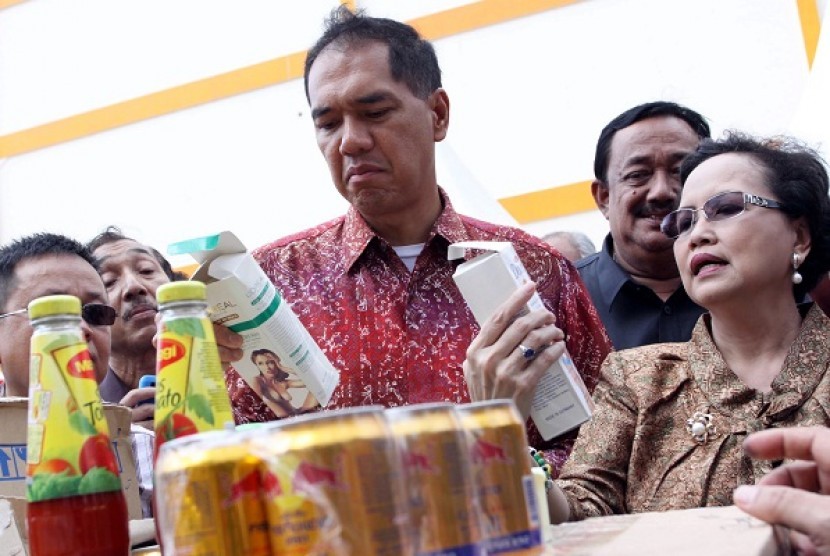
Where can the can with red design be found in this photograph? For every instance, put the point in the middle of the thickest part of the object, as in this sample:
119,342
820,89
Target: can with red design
208,494
333,486
434,457
504,482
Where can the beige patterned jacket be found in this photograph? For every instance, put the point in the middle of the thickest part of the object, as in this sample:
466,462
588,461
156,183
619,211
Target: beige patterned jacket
636,454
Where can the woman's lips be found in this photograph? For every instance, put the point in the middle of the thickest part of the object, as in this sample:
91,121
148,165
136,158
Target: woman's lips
704,261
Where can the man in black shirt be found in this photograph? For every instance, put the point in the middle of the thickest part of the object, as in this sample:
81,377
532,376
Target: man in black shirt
633,280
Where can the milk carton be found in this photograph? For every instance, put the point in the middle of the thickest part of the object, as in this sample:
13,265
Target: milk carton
561,401
282,363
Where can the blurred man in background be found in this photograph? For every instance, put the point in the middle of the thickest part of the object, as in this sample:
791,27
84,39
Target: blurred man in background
574,245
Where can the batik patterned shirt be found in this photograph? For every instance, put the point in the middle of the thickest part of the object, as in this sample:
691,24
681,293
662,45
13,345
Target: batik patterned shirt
637,454
400,337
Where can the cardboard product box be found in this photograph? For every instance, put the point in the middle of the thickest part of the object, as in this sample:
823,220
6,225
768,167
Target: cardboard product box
13,427
291,374
561,401
725,531
13,540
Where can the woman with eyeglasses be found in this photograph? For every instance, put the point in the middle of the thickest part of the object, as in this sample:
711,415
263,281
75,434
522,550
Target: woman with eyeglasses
752,236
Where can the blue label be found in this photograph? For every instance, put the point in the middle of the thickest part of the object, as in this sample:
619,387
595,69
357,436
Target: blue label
466,550
12,462
515,541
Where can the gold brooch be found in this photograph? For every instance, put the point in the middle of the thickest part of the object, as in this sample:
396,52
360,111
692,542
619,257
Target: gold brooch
700,426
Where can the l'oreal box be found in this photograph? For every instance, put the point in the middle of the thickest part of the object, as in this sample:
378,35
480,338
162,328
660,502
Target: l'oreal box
561,401
13,427
282,363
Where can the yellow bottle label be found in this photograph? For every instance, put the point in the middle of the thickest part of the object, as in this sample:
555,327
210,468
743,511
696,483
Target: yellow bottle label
190,391
68,447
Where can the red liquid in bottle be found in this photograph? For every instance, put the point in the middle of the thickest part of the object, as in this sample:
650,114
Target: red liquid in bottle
84,525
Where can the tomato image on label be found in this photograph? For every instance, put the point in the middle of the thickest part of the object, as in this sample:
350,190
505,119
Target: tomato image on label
55,467
177,425
97,452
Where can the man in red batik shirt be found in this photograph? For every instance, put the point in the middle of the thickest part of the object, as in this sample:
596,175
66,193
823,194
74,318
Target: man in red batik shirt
374,287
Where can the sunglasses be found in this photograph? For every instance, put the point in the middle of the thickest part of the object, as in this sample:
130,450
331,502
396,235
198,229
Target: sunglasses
722,206
94,314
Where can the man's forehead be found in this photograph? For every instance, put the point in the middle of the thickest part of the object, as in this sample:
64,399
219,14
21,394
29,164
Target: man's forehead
652,137
350,65
123,249
58,274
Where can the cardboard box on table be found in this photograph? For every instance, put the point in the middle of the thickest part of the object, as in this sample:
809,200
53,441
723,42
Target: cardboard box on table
241,297
725,531
13,428
13,541
561,401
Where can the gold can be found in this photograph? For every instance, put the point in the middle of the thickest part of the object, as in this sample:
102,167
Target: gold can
332,486
208,494
433,450
501,466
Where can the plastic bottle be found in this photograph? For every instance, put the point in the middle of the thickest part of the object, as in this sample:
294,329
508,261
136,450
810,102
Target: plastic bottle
191,395
76,506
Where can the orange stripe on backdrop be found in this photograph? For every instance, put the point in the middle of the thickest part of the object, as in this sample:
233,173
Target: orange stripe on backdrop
156,104
9,3
480,14
550,203
273,72
810,27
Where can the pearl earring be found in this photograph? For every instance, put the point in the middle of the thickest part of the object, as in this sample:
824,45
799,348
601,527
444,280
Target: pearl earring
797,278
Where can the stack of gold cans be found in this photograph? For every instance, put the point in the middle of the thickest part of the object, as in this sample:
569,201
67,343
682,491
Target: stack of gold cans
431,479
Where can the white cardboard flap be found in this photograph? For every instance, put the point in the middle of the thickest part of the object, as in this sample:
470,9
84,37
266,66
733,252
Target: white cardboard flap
458,250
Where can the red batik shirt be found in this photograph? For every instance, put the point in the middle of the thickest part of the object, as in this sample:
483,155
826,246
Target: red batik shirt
400,338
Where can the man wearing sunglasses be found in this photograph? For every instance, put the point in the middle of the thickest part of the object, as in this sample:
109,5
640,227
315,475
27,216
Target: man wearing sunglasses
633,280
50,264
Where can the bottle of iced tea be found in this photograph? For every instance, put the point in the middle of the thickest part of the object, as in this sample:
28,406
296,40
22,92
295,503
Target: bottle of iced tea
191,395
76,506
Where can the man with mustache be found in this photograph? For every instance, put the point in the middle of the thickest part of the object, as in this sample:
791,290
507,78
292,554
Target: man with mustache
49,264
633,280
374,286
131,272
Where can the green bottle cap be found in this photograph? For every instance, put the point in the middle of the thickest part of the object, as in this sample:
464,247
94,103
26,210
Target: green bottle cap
54,305
181,291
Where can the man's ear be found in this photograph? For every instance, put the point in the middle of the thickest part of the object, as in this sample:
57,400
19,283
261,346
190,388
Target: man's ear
600,192
439,103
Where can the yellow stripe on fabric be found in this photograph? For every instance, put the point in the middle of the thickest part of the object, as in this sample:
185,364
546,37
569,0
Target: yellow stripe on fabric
157,104
810,27
550,203
9,3
247,79
480,14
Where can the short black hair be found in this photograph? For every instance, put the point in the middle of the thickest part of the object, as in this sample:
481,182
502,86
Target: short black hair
636,114
33,246
113,233
797,177
412,59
